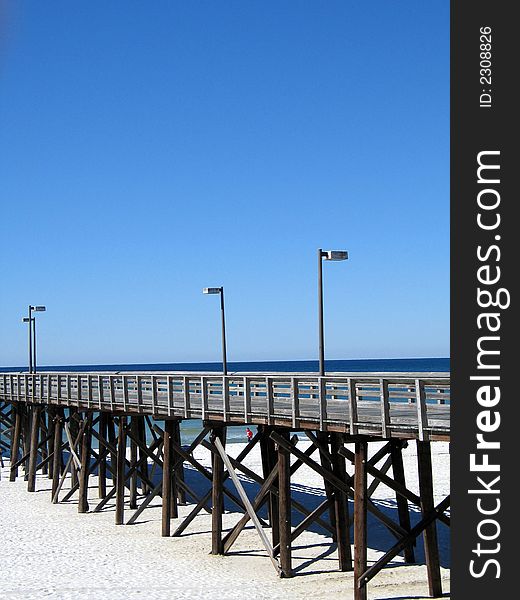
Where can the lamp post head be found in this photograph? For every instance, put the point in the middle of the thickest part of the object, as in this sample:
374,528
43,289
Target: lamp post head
212,290
334,255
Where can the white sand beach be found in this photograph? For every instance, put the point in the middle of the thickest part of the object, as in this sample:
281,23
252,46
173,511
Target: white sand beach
51,551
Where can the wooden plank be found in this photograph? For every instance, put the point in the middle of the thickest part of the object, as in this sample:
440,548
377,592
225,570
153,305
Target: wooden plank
169,383
186,390
225,398
385,408
353,411
100,392
72,446
204,396
58,390
139,392
247,399
322,402
422,417
154,394
124,384
270,399
295,403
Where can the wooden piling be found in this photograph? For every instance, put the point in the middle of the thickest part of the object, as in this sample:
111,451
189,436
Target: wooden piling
341,506
141,431
86,440
133,459
51,415
402,502
15,440
43,445
111,433
73,426
323,439
120,471
26,437
217,546
57,462
33,448
180,492
269,457
284,510
431,547
102,467
360,520
167,478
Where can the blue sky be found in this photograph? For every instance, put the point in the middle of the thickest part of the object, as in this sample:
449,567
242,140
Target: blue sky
148,150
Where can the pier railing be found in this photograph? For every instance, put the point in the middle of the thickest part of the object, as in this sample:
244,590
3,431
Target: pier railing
387,405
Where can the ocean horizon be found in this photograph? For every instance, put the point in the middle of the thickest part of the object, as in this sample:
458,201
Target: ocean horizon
429,364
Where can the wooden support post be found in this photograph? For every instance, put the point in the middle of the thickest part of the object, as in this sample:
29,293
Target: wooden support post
269,460
431,548
402,502
141,427
120,471
86,440
15,440
360,520
133,460
167,478
51,415
341,506
217,546
73,426
33,449
57,462
111,432
179,470
43,435
26,437
102,468
323,439
284,509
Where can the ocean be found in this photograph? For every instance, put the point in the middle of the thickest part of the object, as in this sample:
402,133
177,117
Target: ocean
191,427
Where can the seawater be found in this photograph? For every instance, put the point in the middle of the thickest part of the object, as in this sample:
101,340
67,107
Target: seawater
190,428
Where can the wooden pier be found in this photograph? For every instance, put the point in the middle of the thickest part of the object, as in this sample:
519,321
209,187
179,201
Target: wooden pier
48,422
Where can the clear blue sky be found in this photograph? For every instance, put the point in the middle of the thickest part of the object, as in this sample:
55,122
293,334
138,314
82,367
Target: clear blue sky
149,149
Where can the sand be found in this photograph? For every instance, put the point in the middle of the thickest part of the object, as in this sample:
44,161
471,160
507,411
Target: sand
51,551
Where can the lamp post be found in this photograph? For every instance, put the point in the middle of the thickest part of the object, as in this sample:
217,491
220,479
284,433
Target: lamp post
31,321
333,255
220,290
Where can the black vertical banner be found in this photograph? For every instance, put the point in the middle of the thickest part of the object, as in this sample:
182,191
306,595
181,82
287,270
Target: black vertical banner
485,242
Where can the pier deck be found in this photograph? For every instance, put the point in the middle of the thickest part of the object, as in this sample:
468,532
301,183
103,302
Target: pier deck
405,405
